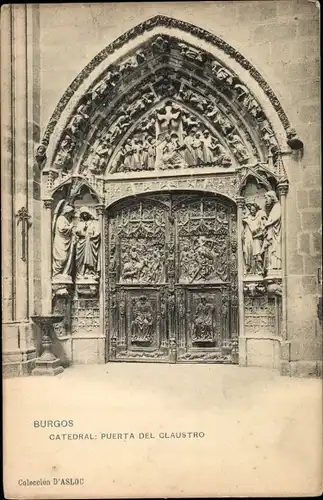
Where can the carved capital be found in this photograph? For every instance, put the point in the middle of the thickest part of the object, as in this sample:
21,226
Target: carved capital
254,288
240,201
100,209
48,203
282,188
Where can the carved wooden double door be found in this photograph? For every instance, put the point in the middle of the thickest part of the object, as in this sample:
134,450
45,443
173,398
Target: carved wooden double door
171,279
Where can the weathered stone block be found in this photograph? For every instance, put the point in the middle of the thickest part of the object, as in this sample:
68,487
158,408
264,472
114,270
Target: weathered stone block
256,11
311,220
316,243
310,284
282,32
295,263
302,198
315,198
308,27
311,264
304,243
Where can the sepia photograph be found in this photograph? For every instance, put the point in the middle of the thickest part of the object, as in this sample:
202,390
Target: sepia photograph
161,249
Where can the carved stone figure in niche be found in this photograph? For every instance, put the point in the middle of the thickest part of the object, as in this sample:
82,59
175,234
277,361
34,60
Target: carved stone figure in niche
63,243
142,323
272,234
238,147
203,322
78,123
193,98
191,53
88,241
128,65
141,104
160,45
64,156
121,124
222,74
268,136
247,100
109,81
252,238
101,156
215,116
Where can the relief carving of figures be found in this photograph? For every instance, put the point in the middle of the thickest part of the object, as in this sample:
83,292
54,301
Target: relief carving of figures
88,239
140,105
247,100
78,123
142,261
252,238
203,322
122,123
191,53
238,147
108,81
142,322
193,98
101,156
160,45
222,74
64,156
128,65
272,234
197,260
217,118
63,242
172,153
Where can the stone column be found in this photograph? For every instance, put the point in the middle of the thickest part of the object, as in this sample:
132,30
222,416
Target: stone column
6,163
282,188
46,274
242,343
100,211
21,156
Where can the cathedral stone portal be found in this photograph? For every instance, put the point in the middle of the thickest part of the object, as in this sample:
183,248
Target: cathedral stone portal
164,188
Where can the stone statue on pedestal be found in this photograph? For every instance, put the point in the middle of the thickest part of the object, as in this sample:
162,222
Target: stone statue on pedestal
252,238
63,243
87,245
272,235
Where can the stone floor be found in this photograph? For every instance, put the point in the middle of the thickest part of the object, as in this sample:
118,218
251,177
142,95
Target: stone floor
262,432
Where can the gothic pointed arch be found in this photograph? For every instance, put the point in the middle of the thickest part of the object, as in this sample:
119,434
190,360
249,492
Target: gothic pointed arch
166,96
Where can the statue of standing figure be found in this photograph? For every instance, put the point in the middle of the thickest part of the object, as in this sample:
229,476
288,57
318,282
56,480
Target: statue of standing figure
272,234
63,247
252,238
88,239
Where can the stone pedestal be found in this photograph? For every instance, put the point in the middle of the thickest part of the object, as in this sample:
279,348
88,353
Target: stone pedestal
47,363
